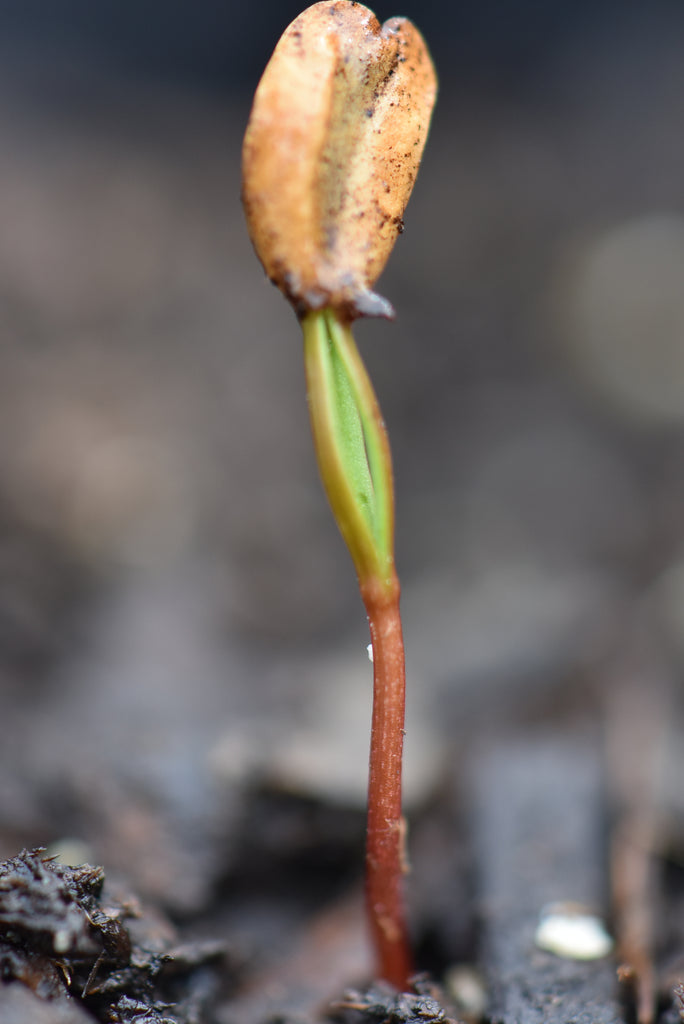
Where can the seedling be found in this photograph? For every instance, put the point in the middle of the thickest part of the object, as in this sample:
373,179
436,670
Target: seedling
332,148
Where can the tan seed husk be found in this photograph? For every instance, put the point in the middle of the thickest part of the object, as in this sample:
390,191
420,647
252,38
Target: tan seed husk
331,153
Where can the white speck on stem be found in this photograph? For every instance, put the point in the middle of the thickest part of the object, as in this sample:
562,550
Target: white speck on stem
369,649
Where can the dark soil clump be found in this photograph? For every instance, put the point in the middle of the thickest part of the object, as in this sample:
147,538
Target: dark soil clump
77,947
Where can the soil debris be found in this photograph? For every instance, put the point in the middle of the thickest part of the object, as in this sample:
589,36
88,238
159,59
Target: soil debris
538,829
382,1004
48,905
92,955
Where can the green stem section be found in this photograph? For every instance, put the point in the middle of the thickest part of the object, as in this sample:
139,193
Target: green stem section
351,444
355,464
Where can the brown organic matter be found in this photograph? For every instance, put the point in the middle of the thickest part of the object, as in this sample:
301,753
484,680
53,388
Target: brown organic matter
69,942
349,103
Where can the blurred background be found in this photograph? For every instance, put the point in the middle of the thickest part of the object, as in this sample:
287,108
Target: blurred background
177,611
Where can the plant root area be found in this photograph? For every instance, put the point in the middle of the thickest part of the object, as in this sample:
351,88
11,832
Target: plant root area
532,828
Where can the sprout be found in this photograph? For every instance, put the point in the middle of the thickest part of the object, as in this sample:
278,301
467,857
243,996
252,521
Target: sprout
332,148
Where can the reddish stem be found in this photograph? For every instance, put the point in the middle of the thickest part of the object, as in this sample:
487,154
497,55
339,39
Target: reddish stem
385,840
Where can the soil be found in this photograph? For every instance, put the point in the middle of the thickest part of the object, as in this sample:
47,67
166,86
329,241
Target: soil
527,826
